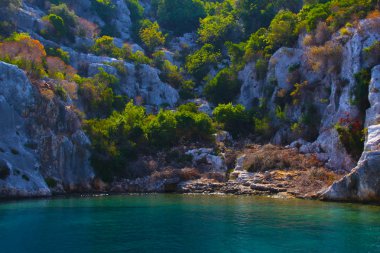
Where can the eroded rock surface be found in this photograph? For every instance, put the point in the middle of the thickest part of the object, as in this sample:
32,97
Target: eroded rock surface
363,183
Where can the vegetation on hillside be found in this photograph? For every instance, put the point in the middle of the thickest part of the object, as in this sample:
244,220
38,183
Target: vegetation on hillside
229,34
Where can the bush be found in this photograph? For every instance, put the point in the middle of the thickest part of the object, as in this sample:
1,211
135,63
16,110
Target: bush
115,141
351,135
326,58
28,54
97,94
361,89
223,88
200,62
105,46
58,52
217,29
63,21
234,119
282,30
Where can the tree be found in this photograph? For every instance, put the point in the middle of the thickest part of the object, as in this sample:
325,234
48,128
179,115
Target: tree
217,29
180,16
151,35
200,62
234,119
282,30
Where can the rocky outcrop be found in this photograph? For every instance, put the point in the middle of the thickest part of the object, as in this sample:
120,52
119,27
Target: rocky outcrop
363,183
42,147
19,166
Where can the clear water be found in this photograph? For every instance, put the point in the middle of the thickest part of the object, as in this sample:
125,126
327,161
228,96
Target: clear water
178,223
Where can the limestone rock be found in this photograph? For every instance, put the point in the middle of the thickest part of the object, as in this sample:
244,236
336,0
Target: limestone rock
363,183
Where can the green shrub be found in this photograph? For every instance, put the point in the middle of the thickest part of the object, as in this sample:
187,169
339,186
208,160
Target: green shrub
217,29
199,63
115,141
224,87
60,53
61,92
180,16
282,30
361,89
234,119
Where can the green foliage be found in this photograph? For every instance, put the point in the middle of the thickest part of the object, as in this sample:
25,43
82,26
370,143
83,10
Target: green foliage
282,30
58,52
311,15
224,87
105,46
180,16
361,89
115,141
261,69
151,35
61,92
63,23
136,10
257,44
58,24
199,63
217,29
118,139
263,127
234,119
105,9
254,14
98,96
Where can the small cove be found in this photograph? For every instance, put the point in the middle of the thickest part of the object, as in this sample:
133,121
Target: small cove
187,223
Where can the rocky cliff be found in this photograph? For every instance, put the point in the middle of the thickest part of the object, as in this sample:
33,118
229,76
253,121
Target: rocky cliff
43,149
363,183
42,146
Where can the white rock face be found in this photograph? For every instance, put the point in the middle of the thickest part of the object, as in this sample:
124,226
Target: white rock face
216,162
335,90
39,139
123,21
153,90
280,63
363,183
139,80
251,88
19,175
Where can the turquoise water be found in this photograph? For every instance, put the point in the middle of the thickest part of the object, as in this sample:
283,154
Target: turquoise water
179,223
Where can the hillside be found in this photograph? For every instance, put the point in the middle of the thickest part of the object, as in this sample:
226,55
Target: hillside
233,96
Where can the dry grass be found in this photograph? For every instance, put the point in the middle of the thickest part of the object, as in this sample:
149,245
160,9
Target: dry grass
373,14
184,174
326,58
270,157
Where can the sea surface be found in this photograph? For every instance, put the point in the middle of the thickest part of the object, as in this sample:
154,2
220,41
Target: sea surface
186,223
